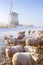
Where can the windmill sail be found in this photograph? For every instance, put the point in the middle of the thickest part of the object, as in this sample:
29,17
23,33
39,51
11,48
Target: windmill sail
11,6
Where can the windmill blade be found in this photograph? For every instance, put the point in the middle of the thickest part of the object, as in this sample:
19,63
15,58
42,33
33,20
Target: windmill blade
11,6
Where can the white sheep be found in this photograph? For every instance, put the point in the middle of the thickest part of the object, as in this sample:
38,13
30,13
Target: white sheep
30,49
10,40
32,41
12,50
22,59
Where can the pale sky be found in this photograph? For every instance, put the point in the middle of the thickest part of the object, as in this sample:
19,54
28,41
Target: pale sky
30,11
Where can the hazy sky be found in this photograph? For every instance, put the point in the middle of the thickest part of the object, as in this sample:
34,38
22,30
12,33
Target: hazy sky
30,11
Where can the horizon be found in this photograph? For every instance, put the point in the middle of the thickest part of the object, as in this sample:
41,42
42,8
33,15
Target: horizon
30,11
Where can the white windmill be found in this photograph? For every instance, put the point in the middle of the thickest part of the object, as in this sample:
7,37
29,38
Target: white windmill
13,17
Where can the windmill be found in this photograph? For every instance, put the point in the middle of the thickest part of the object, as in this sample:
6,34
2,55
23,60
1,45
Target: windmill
13,17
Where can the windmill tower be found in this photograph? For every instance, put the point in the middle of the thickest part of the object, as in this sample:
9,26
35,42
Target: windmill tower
13,17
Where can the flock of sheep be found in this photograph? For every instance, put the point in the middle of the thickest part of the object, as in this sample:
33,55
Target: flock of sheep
24,47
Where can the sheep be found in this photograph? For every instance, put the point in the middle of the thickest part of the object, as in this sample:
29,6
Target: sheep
41,43
41,31
21,36
33,31
12,50
30,49
38,34
22,59
22,42
15,41
32,41
29,31
10,40
21,32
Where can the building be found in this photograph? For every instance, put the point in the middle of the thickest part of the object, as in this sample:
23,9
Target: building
14,19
